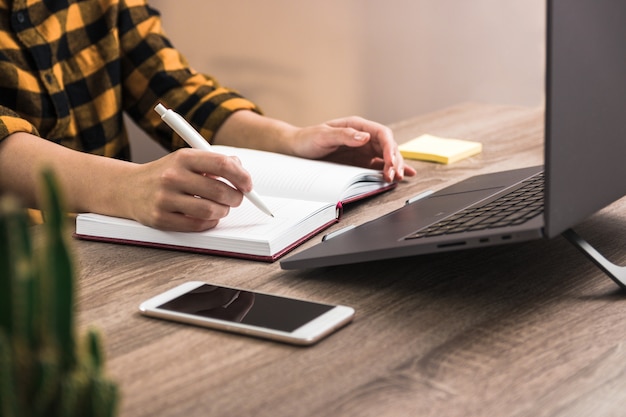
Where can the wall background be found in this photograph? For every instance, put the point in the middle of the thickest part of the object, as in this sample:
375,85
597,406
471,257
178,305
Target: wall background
306,62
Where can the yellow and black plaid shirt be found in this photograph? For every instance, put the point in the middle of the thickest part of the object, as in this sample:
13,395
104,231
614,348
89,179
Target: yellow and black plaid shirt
69,68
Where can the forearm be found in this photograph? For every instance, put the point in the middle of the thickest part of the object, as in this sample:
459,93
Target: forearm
251,130
88,182
349,140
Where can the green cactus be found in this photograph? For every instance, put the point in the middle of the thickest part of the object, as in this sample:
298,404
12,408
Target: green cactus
44,370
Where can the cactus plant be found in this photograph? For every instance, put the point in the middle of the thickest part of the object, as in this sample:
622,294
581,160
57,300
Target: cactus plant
44,369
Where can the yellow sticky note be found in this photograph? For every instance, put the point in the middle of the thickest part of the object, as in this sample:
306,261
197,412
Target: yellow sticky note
436,149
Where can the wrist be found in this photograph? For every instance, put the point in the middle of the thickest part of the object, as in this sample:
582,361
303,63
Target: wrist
247,129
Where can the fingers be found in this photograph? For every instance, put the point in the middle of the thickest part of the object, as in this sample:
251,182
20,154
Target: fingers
216,165
384,151
186,213
178,222
394,167
191,190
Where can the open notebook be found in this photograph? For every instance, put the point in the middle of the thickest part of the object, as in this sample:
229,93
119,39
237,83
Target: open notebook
304,195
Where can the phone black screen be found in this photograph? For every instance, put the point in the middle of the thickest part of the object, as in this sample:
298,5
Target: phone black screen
247,307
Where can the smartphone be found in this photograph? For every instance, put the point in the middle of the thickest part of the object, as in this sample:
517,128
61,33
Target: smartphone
251,313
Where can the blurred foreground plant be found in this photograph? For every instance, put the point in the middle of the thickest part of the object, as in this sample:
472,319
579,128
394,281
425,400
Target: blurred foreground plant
44,370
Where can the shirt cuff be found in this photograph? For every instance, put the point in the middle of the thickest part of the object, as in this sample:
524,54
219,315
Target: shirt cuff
212,114
11,122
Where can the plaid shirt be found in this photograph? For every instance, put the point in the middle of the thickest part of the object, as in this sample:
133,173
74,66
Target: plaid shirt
69,68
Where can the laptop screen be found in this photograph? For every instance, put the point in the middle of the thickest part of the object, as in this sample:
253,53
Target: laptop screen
585,109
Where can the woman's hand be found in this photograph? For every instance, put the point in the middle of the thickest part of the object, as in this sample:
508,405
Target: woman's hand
348,140
353,141
183,191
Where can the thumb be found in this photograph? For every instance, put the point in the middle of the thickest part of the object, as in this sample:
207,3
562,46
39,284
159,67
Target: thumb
351,137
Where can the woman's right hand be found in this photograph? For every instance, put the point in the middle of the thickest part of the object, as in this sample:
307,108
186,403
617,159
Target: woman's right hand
185,191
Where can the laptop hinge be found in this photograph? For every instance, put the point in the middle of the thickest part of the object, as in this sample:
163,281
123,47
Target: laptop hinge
615,272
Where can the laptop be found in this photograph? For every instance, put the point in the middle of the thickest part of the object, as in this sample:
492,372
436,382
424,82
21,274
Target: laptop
584,171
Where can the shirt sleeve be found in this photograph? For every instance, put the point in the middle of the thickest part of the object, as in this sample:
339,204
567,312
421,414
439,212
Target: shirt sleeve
154,71
11,122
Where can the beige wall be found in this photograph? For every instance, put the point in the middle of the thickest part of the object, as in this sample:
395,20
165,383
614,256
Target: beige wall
306,62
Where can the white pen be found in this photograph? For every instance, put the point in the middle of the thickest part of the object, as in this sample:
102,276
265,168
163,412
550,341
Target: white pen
195,140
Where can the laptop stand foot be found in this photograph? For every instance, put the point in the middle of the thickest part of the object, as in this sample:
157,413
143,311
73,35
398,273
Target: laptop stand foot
615,272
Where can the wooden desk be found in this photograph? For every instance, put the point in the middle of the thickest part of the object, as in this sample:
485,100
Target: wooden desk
530,329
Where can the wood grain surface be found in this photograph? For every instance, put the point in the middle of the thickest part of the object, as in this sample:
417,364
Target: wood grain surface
529,329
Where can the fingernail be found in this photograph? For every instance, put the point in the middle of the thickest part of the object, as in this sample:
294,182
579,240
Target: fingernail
360,136
392,173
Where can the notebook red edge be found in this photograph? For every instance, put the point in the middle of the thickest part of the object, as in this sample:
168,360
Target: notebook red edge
239,255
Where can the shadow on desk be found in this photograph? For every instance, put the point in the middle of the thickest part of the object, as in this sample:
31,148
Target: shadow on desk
529,271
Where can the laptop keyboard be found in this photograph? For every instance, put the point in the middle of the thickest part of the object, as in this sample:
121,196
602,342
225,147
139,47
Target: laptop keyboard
513,208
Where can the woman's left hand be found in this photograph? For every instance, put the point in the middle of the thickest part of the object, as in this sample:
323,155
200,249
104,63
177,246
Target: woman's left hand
354,141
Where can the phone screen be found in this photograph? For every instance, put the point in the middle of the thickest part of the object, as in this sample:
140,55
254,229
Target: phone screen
247,307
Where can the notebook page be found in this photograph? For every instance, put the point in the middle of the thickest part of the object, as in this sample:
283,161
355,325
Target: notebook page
291,177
